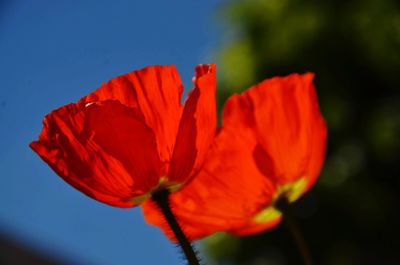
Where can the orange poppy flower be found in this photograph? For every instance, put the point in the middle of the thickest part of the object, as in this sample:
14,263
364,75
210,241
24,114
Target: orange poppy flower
132,136
271,145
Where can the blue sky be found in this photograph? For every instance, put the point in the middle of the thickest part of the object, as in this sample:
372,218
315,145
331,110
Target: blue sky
53,53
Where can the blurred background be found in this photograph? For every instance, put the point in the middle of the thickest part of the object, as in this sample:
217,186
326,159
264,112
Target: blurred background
52,53
351,215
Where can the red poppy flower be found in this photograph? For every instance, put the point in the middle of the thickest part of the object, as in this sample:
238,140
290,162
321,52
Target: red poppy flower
132,136
271,144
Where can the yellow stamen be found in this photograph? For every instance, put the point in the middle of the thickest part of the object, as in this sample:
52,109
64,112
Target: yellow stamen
292,191
163,183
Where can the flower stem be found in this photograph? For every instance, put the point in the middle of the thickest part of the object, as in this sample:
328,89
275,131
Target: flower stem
161,198
290,222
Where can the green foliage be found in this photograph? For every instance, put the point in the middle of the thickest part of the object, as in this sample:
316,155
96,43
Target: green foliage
350,217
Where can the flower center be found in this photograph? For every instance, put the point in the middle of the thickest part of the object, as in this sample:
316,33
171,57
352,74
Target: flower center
291,192
163,184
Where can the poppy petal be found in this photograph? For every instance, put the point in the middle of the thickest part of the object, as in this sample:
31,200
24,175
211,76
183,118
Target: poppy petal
319,134
247,170
197,126
93,148
230,189
290,127
254,226
156,91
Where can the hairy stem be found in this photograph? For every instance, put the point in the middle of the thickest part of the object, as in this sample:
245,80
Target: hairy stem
161,198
